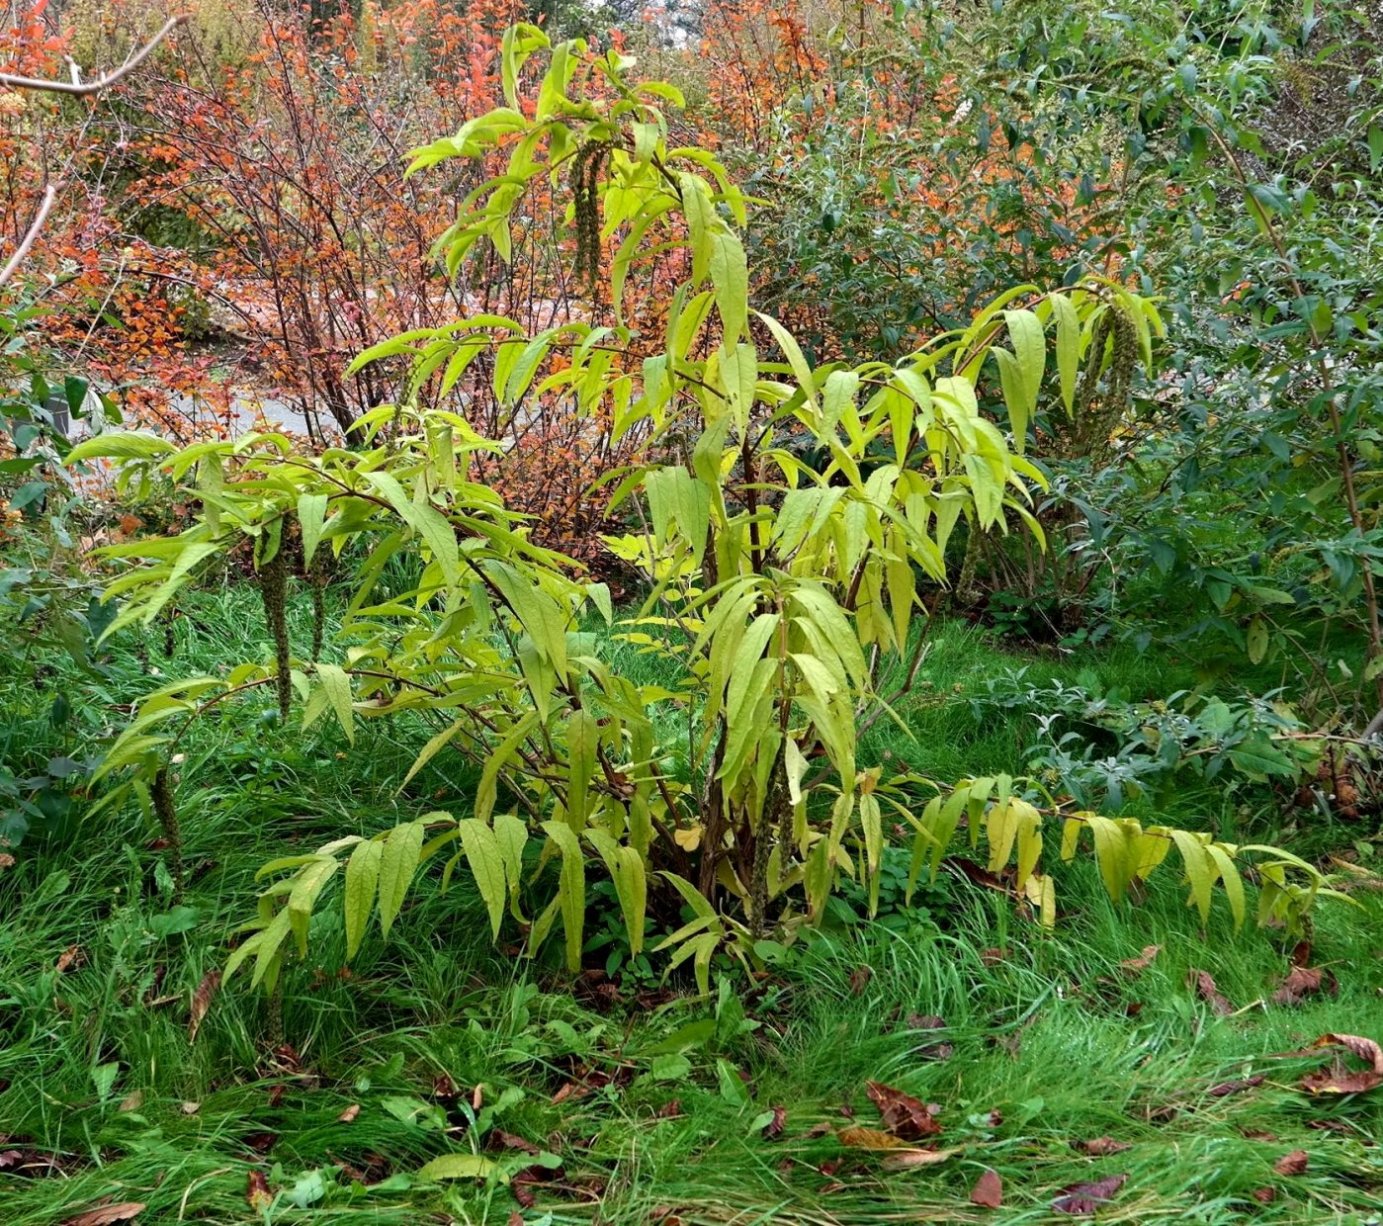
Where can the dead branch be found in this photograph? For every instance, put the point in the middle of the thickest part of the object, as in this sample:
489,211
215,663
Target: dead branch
84,88
50,193
78,87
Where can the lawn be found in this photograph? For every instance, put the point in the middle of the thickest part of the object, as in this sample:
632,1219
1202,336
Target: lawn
1094,1055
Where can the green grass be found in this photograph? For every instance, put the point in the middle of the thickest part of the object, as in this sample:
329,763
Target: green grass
1052,1041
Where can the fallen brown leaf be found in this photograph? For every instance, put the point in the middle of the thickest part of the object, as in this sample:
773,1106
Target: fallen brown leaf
1366,1049
257,1194
507,1140
973,872
1101,1147
201,1002
1294,1163
859,979
1264,1196
29,1162
1225,1088
1081,1198
774,1128
107,1215
73,955
348,1116
1208,992
931,1051
6,860
988,1191
1136,966
1339,1080
191,1108
904,1116
903,1159
132,1101
1304,981
670,1110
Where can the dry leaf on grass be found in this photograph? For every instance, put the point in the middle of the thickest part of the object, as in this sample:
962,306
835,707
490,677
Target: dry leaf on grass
1081,1198
1226,1088
1101,1147
107,1215
988,1191
1339,1080
903,1159
1294,1163
1136,966
904,1115
349,1115
201,1002
1208,992
257,1194
1304,981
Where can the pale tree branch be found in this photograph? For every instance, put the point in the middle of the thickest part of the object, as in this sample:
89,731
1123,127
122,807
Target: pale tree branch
50,193
77,87
83,88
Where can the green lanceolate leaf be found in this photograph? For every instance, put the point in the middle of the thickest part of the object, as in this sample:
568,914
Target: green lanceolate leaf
362,881
398,863
571,889
487,867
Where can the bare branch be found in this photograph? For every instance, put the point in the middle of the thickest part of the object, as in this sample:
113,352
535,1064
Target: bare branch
83,88
50,193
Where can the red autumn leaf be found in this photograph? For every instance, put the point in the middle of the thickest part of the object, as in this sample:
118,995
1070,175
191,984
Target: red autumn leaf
1136,966
1225,1088
1081,1198
1264,1196
201,1002
859,979
257,1194
107,1215
1294,1163
774,1128
988,1191
904,1116
1101,1147
1208,992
